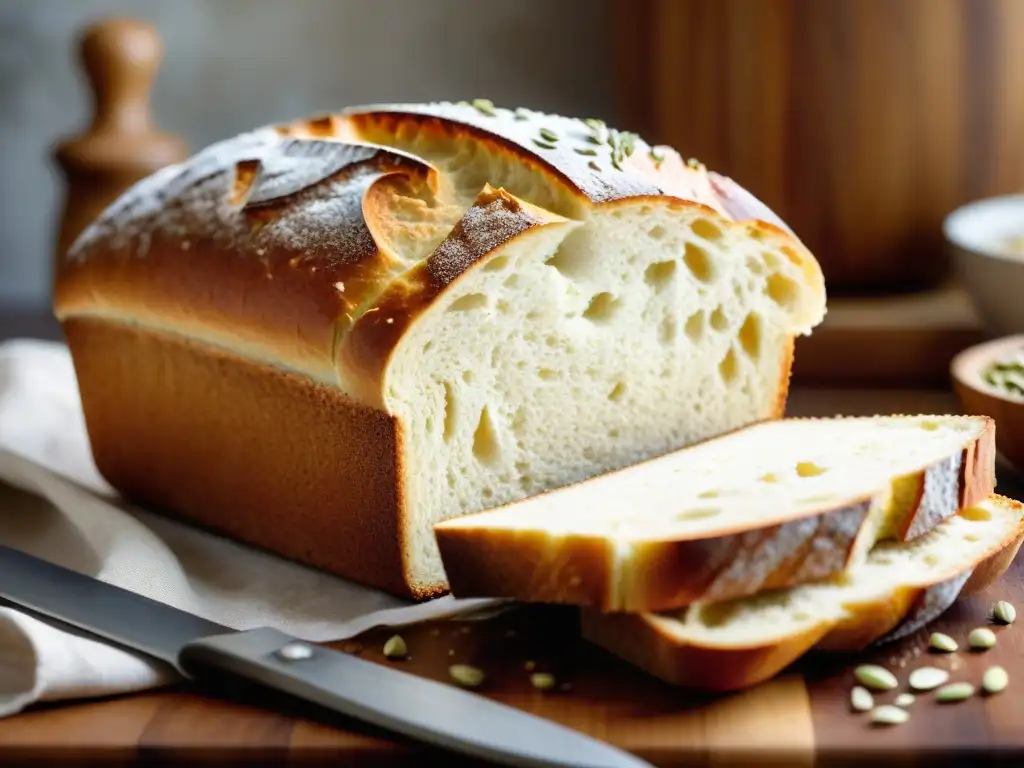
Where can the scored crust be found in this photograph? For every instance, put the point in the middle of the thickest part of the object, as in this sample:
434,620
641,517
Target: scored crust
533,565
650,641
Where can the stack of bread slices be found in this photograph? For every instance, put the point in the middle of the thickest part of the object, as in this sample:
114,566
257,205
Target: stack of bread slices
718,565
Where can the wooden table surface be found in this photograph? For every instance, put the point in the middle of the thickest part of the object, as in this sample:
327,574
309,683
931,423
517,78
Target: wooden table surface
800,718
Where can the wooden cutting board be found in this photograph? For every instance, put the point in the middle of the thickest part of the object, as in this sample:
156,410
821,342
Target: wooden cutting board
800,718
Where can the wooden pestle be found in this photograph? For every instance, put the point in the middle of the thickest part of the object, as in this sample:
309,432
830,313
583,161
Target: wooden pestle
120,58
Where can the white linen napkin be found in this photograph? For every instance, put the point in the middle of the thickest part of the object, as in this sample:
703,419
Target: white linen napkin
56,506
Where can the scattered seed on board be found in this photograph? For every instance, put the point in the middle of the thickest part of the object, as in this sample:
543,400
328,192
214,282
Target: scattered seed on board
995,679
954,692
875,677
904,700
887,714
981,639
542,681
942,642
1004,612
861,699
465,675
927,678
395,647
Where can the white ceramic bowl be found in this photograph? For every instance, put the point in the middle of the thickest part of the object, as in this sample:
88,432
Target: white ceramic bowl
993,278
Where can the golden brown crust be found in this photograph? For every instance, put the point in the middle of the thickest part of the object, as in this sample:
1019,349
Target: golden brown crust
639,639
187,429
650,642
663,574
495,219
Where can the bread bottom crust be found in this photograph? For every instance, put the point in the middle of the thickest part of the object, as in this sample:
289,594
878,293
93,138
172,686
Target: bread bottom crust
263,456
646,640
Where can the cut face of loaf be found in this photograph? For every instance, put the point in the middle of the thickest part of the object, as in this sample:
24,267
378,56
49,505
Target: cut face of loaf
355,326
772,505
898,588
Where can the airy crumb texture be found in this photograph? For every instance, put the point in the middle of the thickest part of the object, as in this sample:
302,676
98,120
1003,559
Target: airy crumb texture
770,505
527,299
737,643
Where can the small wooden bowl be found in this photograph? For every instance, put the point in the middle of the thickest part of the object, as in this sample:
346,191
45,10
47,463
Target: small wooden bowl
977,397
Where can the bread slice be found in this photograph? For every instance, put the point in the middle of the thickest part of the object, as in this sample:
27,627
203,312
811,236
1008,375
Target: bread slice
773,505
899,587
325,336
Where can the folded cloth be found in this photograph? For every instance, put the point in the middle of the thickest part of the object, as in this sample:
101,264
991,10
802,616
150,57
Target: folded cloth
55,505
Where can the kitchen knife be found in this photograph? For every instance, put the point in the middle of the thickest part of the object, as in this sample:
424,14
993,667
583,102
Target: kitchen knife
428,711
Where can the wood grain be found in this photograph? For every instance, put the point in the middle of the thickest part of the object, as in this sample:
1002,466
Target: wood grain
862,122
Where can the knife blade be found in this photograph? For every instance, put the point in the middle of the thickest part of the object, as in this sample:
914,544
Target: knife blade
425,710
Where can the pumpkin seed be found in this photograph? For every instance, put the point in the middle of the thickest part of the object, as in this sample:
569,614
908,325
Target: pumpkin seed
484,106
861,699
981,639
875,677
942,642
1004,612
995,679
543,144
542,680
465,675
548,135
586,151
954,692
887,714
395,647
927,678
904,700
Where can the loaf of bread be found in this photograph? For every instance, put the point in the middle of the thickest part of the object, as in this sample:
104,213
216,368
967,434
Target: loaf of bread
772,505
324,337
898,588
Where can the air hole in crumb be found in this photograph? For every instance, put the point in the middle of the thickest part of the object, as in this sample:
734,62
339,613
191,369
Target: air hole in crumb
467,376
698,513
698,262
659,275
533,314
568,263
547,374
929,426
976,514
656,233
931,559
617,391
790,254
972,537
511,281
718,320
449,412
770,260
487,493
496,264
769,477
750,336
755,233
695,326
502,306
588,453
801,616
782,290
551,340
754,265
468,302
707,230
667,333
601,308
712,494
809,469
428,346
729,368
613,433
485,439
